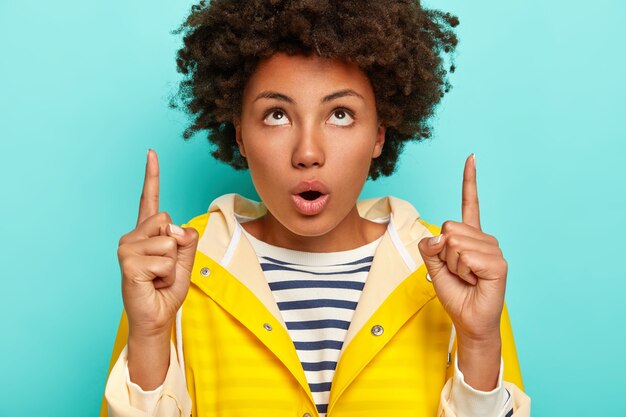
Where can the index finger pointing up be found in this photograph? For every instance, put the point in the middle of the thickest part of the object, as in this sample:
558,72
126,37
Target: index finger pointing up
149,202
470,209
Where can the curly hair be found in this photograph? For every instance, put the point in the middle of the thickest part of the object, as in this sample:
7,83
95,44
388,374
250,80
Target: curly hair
399,45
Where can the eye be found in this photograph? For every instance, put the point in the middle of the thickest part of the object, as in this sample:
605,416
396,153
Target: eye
276,118
341,117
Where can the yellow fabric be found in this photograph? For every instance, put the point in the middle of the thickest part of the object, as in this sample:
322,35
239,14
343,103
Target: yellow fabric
235,366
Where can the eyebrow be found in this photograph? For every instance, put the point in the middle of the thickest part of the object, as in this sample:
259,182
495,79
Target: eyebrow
273,95
341,93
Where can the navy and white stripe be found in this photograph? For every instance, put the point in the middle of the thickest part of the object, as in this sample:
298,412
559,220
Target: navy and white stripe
317,294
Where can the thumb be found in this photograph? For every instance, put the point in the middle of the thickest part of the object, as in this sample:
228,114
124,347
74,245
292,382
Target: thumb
429,248
187,239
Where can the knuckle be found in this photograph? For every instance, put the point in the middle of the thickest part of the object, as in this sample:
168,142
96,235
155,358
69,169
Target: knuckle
164,217
448,226
170,244
126,266
149,196
505,265
453,241
169,264
466,203
123,239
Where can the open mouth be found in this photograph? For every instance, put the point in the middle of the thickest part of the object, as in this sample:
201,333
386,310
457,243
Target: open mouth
310,195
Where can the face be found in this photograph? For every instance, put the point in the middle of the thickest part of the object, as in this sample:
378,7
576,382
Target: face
309,130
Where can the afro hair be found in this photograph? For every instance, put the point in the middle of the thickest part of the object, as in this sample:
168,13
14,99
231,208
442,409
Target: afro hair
400,45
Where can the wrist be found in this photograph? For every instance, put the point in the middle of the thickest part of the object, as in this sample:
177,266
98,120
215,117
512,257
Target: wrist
148,359
485,341
153,337
479,360
154,346
150,330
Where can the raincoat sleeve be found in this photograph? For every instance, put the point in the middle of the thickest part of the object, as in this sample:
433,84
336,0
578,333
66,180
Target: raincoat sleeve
122,399
456,393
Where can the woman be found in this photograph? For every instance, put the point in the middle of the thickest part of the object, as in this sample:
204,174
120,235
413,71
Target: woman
311,302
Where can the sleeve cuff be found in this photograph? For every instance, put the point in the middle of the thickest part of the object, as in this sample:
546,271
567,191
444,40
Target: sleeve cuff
143,400
467,401
126,399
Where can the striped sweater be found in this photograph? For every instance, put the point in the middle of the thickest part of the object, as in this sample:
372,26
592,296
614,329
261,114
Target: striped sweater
317,294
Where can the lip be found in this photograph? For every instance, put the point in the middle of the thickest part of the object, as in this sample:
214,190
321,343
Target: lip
311,185
310,207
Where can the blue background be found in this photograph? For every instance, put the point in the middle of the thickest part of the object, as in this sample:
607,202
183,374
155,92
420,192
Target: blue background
539,95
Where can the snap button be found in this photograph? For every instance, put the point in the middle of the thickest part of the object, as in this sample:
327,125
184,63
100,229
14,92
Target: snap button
428,278
307,415
267,327
377,330
205,272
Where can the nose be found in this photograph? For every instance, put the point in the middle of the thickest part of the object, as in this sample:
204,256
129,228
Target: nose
309,150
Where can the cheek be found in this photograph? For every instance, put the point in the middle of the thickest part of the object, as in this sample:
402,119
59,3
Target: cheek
268,170
264,156
355,158
263,174
351,168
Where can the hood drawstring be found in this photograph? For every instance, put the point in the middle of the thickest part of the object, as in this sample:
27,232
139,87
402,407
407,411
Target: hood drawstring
451,344
179,342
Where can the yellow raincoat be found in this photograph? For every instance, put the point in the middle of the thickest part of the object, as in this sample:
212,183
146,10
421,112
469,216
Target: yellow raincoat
232,356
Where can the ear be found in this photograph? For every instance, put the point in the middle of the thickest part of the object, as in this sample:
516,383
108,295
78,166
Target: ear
242,149
380,140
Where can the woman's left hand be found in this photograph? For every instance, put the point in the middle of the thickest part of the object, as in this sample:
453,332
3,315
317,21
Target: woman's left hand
468,272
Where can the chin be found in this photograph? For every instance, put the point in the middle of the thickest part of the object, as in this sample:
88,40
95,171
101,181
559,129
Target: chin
309,226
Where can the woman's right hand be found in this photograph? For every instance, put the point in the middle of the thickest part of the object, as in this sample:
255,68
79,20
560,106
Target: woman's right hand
156,259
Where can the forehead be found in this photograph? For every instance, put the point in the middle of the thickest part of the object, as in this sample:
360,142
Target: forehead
306,75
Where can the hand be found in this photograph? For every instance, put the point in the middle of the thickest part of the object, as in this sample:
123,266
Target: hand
469,273
156,259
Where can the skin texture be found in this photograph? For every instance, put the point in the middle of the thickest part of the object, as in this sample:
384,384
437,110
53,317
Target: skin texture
289,132
156,267
285,115
469,275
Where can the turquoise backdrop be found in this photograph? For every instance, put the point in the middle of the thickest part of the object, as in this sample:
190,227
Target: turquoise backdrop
539,95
